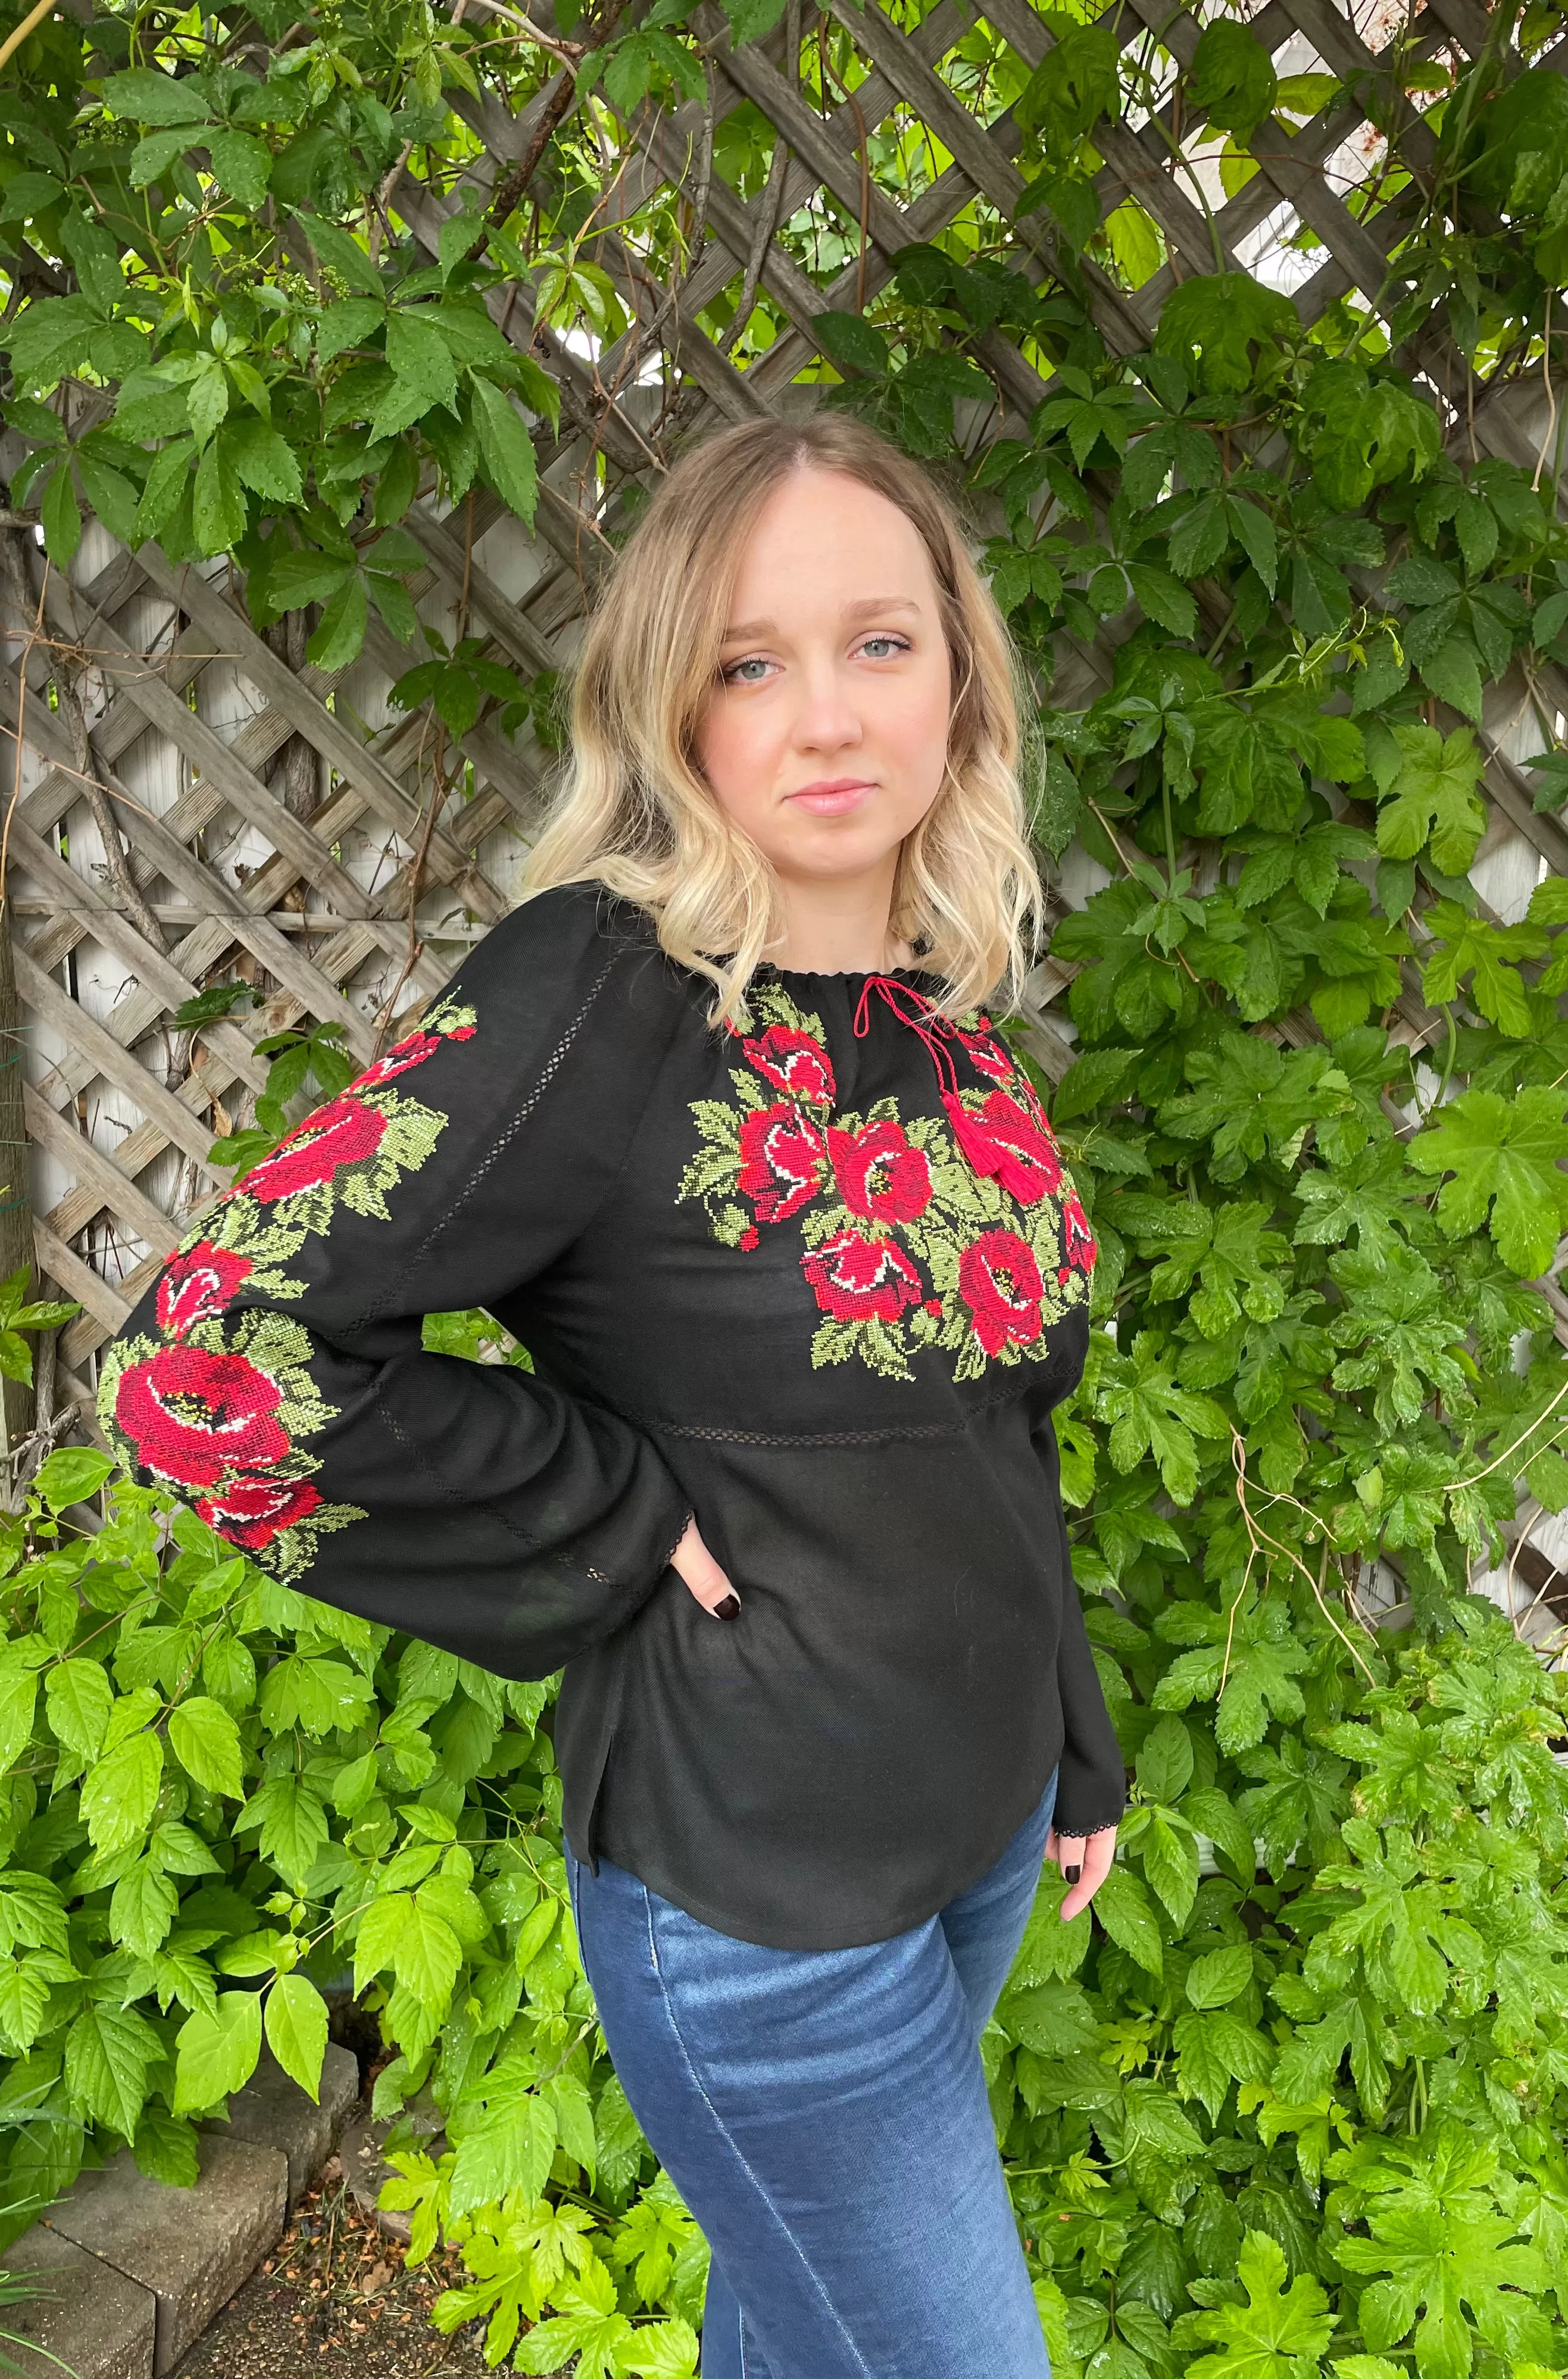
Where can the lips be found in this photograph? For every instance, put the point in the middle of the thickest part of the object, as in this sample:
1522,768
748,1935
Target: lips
832,797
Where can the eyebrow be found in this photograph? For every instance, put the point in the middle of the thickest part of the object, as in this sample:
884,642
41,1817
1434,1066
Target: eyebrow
866,607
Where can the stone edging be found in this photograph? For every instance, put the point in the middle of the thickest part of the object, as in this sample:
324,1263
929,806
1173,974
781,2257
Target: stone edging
135,2271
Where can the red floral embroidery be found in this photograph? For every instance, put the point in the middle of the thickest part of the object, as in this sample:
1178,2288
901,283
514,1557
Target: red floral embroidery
411,1052
198,1285
1004,1140
1001,1285
250,1513
954,1234
193,1416
344,1132
879,1174
988,1056
781,1158
795,1062
857,1279
1081,1246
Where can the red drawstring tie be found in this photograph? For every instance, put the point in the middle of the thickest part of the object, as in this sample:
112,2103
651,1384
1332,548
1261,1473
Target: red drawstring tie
928,1020
986,1153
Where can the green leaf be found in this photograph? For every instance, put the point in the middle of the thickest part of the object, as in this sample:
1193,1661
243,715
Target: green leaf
71,1475
1170,1863
1123,1908
241,164
1454,674
142,1908
121,1792
302,576
512,2148
341,634
1220,1975
1279,2333
61,515
420,357
19,1698
262,459
1226,328
206,1743
1076,83
1164,1760
78,1697
292,1823
217,2054
1433,792
156,151
108,2050
295,2016
851,342
1231,78
749,19
339,253
219,511
144,96
165,2149
507,449
1501,1155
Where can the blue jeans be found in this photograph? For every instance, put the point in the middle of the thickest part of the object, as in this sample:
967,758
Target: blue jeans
824,2115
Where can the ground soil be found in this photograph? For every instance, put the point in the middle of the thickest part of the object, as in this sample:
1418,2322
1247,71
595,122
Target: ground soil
335,2296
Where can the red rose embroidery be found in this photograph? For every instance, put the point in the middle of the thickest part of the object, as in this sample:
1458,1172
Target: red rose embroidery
1004,1141
792,1061
344,1132
991,1057
198,1286
1081,1248
1001,1285
857,1279
193,1417
879,1174
411,1052
251,1512
781,1154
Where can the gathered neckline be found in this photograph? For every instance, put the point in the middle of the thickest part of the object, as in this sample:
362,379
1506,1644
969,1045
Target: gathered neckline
839,974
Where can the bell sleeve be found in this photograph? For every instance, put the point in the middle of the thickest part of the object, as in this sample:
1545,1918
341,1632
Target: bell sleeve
274,1376
1091,1783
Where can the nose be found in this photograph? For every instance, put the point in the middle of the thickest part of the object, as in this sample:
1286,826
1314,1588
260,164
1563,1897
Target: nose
828,718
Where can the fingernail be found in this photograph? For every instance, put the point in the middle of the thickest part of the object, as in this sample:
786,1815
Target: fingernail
729,1609
1073,1874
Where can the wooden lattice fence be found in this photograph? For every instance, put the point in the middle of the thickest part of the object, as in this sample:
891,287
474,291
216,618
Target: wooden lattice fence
195,799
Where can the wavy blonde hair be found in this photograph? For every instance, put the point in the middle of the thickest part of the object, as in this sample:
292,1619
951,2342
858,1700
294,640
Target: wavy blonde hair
634,813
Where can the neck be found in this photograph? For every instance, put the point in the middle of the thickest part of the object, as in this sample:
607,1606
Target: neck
844,934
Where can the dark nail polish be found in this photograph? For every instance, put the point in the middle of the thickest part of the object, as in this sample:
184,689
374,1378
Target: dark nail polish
729,1609
1073,1874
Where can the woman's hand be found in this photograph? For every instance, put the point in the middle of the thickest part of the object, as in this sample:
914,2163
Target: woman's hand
1085,1862
704,1577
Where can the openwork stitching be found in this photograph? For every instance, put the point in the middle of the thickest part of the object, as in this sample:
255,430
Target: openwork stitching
712,1435
395,1288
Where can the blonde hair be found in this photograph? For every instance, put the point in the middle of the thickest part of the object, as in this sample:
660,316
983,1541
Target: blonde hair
634,813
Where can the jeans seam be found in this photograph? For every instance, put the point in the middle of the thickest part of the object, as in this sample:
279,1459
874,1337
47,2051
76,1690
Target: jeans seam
733,2145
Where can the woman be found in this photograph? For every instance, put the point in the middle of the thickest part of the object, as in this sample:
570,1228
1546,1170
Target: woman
715,1124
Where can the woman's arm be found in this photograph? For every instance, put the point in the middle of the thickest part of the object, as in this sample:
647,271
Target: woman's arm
274,1374
1092,1782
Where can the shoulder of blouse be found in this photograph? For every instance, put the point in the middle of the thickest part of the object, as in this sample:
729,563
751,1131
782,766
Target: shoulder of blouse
570,938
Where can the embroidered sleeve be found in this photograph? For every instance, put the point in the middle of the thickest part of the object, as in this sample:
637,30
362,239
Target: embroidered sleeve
274,1374
1092,1785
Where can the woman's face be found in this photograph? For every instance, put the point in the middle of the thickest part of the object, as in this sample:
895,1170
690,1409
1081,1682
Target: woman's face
825,732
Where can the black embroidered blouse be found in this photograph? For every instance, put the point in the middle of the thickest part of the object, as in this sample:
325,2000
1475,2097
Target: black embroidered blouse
821,1284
